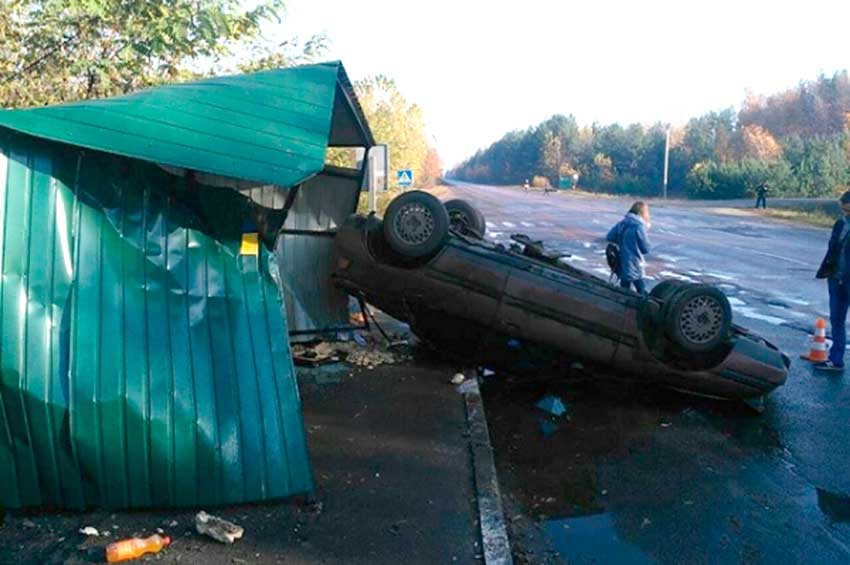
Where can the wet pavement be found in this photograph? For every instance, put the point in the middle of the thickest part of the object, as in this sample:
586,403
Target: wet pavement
390,455
631,474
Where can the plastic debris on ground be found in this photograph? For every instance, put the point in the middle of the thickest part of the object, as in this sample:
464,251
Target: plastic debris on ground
89,531
485,372
468,386
458,378
547,427
217,528
552,405
363,351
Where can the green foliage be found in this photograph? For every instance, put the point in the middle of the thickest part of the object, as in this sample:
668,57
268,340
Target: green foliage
59,50
797,141
710,179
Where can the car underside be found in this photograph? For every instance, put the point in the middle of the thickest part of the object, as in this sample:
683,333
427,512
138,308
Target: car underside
427,263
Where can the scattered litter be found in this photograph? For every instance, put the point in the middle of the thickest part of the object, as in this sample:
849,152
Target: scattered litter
469,386
133,548
217,528
160,531
173,524
577,366
646,522
604,492
485,372
361,352
514,344
552,404
458,378
312,355
666,424
28,524
547,428
89,531
314,508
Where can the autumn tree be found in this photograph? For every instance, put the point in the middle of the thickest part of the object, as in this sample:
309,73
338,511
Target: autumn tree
396,122
59,50
432,171
758,143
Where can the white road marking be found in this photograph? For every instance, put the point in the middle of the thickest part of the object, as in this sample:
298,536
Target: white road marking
508,225
734,301
672,275
668,258
721,277
527,224
751,313
490,224
495,234
575,258
586,244
781,258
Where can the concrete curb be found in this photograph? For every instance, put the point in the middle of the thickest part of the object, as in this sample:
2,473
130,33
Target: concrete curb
494,534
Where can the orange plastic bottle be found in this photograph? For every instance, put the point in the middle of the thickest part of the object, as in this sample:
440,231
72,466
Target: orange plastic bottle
134,548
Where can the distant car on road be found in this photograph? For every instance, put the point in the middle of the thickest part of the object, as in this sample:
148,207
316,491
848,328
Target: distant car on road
428,264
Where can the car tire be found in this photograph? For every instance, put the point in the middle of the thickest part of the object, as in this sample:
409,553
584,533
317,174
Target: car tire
666,288
416,225
698,318
465,218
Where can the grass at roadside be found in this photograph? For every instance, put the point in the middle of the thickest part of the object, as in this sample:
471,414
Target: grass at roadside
811,217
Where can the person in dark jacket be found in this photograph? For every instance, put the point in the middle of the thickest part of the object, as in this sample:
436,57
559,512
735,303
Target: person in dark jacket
630,235
761,195
835,268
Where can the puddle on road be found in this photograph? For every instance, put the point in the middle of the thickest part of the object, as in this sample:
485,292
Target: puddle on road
592,539
835,506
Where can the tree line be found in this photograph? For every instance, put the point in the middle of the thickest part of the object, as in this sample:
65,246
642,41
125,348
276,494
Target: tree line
797,141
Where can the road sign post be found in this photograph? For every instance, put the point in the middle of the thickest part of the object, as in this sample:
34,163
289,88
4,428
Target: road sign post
404,177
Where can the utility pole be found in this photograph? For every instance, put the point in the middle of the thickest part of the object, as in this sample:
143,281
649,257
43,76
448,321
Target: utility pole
666,160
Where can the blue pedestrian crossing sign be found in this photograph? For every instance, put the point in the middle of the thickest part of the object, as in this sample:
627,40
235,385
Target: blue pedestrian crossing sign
404,177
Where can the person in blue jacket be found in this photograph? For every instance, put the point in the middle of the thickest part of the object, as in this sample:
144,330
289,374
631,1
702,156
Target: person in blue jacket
835,268
630,235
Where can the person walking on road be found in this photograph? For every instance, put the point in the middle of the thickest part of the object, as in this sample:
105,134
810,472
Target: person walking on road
630,234
835,268
761,195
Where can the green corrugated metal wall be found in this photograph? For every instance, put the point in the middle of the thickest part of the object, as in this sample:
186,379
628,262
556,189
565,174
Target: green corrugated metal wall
143,362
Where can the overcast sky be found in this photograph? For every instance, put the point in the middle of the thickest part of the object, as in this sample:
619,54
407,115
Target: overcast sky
479,69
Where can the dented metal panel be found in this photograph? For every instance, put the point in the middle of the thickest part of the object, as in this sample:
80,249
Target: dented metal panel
306,252
143,361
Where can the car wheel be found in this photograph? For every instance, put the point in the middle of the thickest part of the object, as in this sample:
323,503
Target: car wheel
416,225
464,218
698,318
665,289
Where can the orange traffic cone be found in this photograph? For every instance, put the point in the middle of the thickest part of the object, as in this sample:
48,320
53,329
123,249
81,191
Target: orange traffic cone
817,354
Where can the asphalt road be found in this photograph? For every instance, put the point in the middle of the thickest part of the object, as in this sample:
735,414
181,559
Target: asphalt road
639,475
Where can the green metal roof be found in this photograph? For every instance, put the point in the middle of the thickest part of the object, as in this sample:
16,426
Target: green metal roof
271,126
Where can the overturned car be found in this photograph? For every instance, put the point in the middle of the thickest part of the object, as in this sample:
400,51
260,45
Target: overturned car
427,263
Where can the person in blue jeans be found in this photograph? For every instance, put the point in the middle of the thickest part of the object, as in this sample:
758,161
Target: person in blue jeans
630,235
835,268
